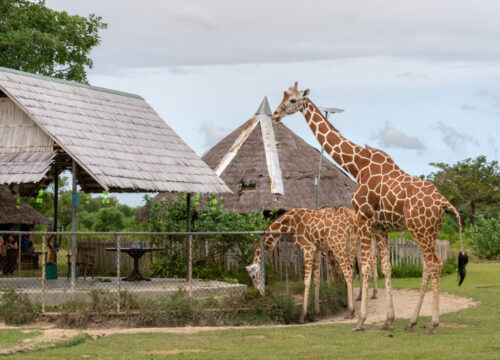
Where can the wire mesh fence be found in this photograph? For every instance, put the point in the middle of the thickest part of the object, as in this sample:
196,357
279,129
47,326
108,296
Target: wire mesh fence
141,273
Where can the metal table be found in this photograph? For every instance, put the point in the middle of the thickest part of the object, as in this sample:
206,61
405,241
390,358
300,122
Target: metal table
136,254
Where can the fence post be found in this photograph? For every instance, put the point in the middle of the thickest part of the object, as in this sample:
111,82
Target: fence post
44,261
19,248
118,278
189,245
287,262
262,280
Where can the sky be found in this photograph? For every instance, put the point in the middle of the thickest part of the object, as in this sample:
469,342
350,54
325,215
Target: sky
419,80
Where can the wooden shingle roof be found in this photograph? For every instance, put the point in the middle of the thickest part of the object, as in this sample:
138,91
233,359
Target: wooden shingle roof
118,141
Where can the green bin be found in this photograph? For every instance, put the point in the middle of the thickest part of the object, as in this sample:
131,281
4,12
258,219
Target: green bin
51,272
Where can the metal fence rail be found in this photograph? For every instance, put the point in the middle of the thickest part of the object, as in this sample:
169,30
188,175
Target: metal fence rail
151,265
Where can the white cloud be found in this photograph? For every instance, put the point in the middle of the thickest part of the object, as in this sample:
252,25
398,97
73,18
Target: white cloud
196,16
454,139
170,33
213,134
394,138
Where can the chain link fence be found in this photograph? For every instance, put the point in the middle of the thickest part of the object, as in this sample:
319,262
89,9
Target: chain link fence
145,275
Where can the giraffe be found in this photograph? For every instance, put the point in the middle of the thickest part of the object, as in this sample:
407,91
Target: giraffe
386,198
356,255
315,231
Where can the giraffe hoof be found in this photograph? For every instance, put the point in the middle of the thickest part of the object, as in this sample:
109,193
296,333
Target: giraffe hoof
301,321
349,316
387,327
358,328
409,327
358,299
374,296
429,331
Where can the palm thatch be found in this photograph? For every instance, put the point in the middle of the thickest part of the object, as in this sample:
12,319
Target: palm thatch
247,173
10,214
118,141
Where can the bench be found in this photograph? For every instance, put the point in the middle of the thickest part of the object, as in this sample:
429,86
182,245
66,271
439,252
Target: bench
30,261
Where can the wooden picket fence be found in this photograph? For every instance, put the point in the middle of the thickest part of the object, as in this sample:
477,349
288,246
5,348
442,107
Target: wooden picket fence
406,252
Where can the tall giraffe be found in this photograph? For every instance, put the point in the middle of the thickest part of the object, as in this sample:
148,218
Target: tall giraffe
315,231
385,199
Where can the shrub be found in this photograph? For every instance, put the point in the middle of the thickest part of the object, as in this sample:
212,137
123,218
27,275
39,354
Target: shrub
284,310
16,308
485,238
181,309
415,271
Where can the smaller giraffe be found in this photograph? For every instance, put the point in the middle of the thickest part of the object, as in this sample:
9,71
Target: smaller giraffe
314,231
373,264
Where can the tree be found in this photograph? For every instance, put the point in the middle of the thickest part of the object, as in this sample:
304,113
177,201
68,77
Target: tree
471,185
40,40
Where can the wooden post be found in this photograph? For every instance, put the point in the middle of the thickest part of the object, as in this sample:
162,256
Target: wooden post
262,274
44,274
189,245
73,227
19,248
118,279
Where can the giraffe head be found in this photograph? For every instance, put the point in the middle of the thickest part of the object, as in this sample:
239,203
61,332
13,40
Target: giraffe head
293,100
253,272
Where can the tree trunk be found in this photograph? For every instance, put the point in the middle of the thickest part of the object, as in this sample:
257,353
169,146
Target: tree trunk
472,213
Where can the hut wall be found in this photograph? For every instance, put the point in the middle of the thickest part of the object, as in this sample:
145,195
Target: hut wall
18,133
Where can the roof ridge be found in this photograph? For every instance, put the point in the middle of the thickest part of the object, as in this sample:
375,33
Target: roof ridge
69,82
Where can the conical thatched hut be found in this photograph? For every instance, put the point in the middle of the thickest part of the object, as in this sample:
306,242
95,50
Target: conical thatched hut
240,160
10,214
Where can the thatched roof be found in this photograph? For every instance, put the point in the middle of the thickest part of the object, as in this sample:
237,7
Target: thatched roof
247,174
118,141
10,214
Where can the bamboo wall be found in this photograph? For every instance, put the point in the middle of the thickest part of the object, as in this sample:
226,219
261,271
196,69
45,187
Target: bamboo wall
18,133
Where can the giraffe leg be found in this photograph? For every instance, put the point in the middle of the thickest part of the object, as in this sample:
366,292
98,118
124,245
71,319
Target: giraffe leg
365,236
308,264
423,287
435,272
348,276
360,270
317,269
387,271
374,269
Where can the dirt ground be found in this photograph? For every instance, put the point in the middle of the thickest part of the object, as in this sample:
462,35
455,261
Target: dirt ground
404,303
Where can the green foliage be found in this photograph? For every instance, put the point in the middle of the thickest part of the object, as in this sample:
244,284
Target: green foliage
471,185
485,238
415,271
449,230
109,219
284,310
91,215
181,309
40,40
16,308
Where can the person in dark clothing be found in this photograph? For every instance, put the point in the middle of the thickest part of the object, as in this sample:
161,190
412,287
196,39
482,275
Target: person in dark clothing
11,258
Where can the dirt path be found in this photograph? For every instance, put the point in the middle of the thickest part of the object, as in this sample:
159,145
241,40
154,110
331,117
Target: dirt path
404,303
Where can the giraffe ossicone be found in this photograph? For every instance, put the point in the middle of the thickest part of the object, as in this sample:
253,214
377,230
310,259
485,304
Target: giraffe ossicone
386,199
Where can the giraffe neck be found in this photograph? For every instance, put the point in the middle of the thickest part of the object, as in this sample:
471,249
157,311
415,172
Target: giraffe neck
279,225
343,151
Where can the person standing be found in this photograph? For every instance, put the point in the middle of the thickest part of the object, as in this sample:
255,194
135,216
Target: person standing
11,258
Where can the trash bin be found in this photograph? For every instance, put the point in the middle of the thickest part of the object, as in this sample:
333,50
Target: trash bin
51,272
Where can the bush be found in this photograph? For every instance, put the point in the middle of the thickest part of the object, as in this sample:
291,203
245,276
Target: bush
284,310
181,309
485,238
415,271
16,308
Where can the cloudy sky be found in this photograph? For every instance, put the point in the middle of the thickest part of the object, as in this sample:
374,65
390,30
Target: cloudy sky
420,80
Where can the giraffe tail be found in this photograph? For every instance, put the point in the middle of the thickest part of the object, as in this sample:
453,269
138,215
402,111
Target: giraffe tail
463,259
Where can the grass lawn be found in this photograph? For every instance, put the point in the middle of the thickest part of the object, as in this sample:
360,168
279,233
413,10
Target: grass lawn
479,340
13,337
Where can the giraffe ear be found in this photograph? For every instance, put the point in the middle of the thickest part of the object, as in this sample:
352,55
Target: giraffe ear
306,92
